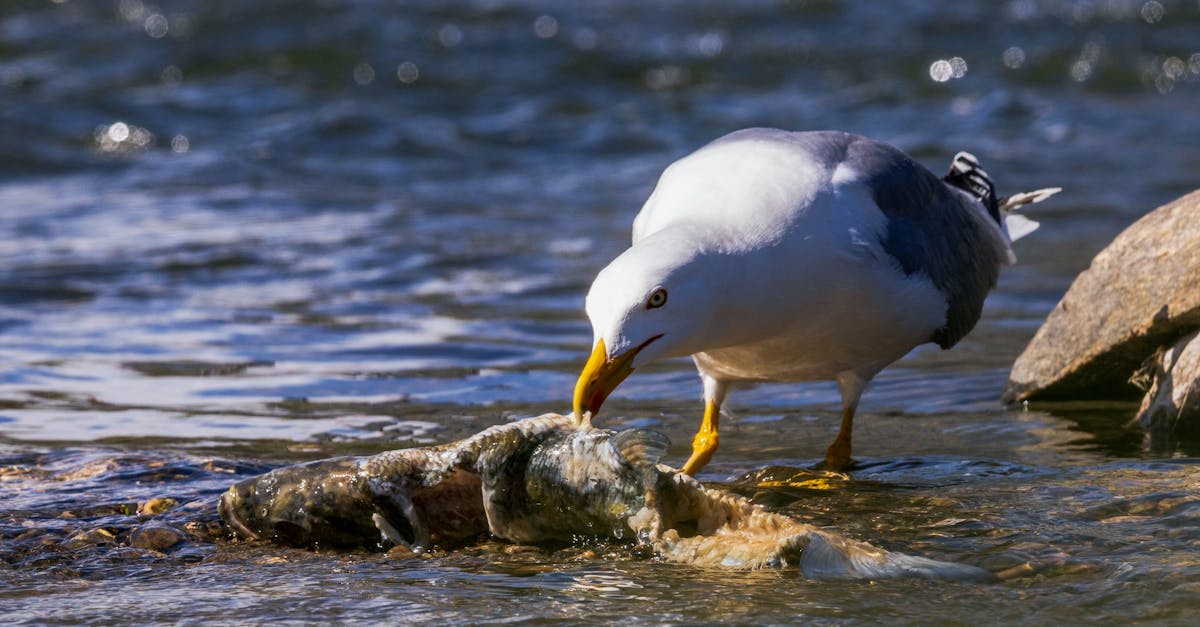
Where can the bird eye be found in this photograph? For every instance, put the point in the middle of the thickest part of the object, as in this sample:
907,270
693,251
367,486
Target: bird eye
657,299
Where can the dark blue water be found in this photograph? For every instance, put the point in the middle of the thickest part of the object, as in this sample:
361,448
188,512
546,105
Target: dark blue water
235,234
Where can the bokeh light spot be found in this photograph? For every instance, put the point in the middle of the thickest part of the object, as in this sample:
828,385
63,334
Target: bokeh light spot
449,35
943,70
711,44
545,27
156,25
1153,12
940,70
958,67
1081,70
1013,57
121,137
1174,68
118,132
364,74
408,72
131,10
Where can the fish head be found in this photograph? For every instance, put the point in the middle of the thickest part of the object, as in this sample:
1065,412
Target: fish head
575,483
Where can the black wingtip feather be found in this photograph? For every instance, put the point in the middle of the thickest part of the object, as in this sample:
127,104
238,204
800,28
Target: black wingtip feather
965,174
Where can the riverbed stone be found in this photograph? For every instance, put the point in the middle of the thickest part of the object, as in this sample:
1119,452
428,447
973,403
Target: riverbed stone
157,505
88,537
1140,294
156,536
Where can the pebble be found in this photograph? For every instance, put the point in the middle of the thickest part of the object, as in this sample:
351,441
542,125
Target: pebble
577,554
520,549
1190,588
204,531
157,505
155,537
401,552
1020,570
87,537
1125,519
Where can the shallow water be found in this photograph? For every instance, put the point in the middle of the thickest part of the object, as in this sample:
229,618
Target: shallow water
238,235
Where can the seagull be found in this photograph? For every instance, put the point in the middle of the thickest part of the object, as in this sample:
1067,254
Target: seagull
770,255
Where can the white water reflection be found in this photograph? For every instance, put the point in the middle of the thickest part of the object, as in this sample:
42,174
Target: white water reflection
49,425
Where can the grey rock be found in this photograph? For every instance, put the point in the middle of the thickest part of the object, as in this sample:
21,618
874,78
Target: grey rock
1141,294
156,536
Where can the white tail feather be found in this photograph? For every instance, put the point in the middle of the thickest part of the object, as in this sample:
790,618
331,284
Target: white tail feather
966,175
1010,203
1018,226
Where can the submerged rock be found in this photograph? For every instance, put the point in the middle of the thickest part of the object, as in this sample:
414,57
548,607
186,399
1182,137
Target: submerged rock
88,537
156,536
157,505
1140,296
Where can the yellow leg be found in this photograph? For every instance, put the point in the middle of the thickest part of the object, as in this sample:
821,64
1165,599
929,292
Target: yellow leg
837,456
705,443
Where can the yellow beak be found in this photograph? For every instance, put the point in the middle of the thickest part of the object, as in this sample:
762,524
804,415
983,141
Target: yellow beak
599,378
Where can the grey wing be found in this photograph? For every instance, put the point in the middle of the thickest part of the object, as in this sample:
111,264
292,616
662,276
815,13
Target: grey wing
933,230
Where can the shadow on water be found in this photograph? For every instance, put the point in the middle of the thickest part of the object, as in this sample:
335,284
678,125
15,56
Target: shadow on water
1115,434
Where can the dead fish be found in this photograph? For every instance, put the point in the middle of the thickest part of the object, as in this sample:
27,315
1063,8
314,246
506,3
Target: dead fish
538,480
545,480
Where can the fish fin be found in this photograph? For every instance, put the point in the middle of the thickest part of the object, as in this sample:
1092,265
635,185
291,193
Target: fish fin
388,532
405,526
641,447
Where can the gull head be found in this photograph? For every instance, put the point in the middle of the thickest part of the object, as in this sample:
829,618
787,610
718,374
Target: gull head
651,302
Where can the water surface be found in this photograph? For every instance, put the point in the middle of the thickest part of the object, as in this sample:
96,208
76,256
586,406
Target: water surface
238,235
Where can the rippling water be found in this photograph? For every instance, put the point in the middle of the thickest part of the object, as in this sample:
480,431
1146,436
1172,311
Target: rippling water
235,235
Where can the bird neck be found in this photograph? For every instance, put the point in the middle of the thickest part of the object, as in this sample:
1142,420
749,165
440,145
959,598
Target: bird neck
742,298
